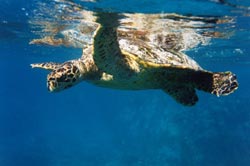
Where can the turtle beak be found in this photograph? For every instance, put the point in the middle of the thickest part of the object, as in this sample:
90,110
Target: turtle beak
52,82
52,86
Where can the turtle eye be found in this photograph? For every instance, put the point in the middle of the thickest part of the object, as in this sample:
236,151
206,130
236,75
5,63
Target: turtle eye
62,78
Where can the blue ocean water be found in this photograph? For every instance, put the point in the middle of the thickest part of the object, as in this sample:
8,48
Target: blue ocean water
92,126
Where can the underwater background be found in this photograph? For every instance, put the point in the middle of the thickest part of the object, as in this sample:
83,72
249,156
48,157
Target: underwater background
92,126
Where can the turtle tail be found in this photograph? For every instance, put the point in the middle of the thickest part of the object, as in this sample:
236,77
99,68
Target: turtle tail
224,83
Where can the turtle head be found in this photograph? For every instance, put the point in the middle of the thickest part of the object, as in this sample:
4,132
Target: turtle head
67,74
64,76
224,83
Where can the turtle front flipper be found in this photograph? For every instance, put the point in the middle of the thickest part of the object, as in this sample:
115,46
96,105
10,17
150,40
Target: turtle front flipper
224,83
107,54
46,65
183,94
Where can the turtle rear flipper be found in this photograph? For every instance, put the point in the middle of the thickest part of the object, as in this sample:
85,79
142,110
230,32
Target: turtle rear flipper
218,83
224,83
183,94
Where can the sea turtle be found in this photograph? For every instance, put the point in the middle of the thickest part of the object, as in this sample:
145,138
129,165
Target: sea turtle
131,60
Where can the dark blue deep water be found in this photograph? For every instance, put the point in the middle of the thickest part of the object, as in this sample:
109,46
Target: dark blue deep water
92,126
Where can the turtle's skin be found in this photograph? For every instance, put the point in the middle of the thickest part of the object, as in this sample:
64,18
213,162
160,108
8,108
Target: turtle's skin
134,60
